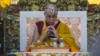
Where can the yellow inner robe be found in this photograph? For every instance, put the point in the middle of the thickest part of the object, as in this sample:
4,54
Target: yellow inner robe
63,32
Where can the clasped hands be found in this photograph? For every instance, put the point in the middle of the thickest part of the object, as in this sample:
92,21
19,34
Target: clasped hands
47,32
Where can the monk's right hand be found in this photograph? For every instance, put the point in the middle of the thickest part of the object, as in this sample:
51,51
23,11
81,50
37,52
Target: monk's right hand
47,32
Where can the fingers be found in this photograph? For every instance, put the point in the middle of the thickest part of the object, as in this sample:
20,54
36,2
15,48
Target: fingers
51,27
47,32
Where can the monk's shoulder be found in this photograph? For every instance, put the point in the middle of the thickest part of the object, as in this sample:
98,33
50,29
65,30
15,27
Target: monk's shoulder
39,23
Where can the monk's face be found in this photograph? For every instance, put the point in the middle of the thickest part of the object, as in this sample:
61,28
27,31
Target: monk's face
51,14
50,18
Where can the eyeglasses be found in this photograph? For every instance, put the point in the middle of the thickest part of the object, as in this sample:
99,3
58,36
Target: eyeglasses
51,16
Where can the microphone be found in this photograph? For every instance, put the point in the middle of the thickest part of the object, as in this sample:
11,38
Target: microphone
51,34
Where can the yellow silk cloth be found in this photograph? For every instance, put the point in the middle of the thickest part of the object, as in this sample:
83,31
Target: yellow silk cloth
5,3
63,32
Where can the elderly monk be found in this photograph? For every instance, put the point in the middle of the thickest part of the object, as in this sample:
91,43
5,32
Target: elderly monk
52,24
